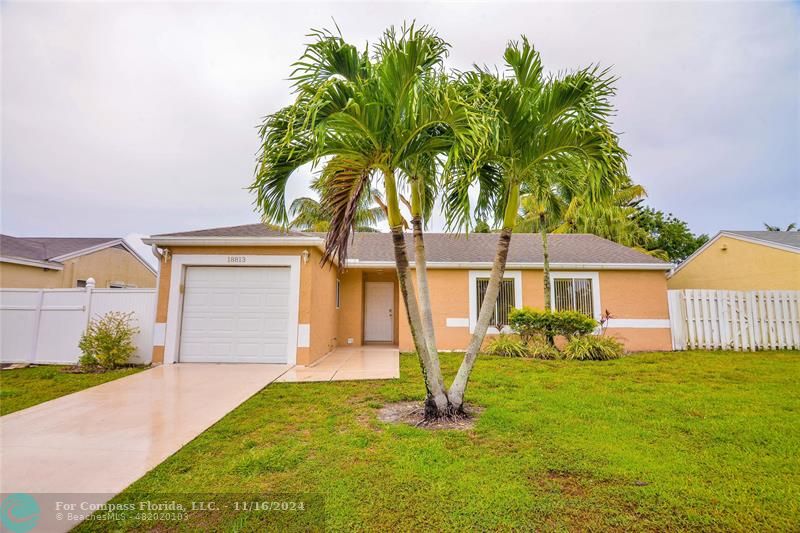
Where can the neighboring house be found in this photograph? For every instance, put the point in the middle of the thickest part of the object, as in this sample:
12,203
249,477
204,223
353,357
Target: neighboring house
742,261
253,294
65,262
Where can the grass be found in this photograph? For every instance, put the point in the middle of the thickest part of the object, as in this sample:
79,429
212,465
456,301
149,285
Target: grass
660,441
24,387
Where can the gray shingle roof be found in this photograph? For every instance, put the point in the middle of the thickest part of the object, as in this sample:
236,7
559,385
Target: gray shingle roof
474,248
46,248
481,247
784,238
246,230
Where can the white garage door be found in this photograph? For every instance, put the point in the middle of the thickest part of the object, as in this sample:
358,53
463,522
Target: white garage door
235,315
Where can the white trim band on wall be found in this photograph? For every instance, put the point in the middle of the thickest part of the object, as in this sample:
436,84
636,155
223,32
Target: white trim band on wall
639,323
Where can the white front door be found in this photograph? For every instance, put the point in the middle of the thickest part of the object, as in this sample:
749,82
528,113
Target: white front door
379,311
235,315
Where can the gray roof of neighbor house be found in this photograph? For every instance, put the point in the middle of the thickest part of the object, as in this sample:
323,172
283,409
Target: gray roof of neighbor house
784,238
50,251
47,248
444,247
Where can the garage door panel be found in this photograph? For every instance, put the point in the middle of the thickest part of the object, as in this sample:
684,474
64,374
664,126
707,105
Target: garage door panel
235,314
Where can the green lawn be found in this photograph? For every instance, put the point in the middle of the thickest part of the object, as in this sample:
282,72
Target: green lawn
24,387
650,442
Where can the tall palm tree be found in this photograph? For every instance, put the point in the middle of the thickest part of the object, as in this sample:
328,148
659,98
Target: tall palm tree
542,205
367,121
572,199
540,122
309,214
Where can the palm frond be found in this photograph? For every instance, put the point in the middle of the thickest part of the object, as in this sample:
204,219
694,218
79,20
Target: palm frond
345,181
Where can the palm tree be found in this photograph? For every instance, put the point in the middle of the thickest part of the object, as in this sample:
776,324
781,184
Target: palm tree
309,214
542,205
790,227
386,119
540,123
566,199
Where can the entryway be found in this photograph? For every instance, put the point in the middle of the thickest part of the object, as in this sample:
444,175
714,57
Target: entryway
379,311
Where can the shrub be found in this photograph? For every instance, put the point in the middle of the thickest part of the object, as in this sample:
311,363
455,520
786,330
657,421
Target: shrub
539,348
88,362
529,323
108,341
593,348
507,346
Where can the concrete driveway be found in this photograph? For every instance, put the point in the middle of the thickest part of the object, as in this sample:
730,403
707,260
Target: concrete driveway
102,439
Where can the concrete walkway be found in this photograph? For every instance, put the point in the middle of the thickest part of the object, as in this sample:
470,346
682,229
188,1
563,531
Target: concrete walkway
102,439
346,363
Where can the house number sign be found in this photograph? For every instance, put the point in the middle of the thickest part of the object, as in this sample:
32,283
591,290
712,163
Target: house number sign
239,259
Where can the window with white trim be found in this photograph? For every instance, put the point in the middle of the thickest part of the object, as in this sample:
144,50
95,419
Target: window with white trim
573,294
506,300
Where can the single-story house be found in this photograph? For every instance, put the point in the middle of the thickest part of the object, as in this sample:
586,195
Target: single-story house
742,261
254,294
67,262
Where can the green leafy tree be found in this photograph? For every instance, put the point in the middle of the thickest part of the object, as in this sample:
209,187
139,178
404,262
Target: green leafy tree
668,233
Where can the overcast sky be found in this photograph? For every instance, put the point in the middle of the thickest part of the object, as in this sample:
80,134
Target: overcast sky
140,118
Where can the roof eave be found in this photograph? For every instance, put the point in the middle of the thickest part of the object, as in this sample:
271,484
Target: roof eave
355,263
234,241
50,265
103,246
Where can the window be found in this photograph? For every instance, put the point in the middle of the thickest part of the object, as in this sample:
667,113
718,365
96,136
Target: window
80,283
338,300
506,300
573,294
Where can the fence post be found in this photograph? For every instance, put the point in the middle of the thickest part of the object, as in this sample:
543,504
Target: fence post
37,320
90,283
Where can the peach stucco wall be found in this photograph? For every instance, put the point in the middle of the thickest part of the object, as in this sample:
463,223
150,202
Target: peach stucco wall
317,296
625,294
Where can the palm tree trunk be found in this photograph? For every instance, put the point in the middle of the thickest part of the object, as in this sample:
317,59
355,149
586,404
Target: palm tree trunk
546,257
436,404
459,386
548,306
423,291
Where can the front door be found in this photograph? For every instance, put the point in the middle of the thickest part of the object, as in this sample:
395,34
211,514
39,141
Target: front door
379,311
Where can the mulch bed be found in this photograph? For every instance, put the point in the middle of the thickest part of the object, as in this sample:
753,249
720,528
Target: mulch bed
412,414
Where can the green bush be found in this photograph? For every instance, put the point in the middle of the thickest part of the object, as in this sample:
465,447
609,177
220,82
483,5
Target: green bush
108,341
593,348
528,323
539,348
88,362
507,346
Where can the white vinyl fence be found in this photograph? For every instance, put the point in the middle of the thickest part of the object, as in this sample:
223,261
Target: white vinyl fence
734,320
45,325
